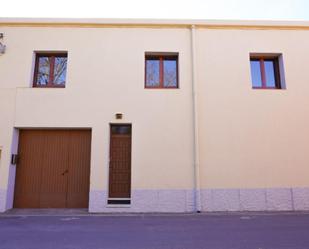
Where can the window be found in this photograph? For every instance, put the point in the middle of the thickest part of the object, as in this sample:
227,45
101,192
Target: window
50,70
265,72
161,71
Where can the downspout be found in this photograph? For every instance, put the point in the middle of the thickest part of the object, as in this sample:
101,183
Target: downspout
196,158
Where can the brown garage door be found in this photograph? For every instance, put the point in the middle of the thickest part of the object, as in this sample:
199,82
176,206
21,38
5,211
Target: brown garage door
53,169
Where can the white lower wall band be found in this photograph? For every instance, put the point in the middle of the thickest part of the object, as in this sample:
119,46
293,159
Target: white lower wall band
2,200
213,200
178,201
270,199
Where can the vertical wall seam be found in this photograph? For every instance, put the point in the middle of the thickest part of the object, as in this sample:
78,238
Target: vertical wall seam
239,202
266,203
292,199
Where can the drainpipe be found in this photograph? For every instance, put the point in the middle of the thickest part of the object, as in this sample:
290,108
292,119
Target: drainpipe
196,163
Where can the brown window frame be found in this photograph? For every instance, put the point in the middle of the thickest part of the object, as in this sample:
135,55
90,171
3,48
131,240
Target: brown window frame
275,60
50,83
161,59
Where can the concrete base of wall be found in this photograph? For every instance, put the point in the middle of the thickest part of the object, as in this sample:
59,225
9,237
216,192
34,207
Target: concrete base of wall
212,200
176,201
272,199
2,200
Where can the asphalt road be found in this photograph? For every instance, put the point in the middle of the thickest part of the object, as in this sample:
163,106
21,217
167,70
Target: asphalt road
245,231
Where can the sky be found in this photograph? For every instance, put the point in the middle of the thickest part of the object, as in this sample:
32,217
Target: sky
164,9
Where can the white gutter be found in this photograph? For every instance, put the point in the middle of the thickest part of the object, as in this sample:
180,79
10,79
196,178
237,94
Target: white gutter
196,158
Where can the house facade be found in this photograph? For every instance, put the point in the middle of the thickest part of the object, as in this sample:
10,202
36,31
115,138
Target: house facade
154,116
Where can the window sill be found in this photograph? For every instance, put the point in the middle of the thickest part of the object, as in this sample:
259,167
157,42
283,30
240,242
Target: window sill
161,88
118,205
267,88
48,86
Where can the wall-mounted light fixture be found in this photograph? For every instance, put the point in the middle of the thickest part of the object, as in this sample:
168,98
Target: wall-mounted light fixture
2,46
118,115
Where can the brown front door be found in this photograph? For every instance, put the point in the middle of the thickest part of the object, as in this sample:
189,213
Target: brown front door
120,161
53,169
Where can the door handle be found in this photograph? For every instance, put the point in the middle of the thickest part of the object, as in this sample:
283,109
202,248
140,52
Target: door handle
66,171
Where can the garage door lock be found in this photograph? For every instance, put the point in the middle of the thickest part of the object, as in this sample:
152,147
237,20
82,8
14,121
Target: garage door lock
65,172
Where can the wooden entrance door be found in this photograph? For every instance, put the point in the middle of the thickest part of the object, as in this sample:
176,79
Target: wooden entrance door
120,161
53,169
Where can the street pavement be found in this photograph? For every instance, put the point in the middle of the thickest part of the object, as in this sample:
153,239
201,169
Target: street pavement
146,231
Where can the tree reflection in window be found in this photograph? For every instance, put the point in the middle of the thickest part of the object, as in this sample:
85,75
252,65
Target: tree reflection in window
50,70
170,73
153,72
43,71
161,71
60,70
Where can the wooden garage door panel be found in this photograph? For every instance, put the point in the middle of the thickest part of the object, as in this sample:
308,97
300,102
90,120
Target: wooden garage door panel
54,180
79,174
53,171
31,154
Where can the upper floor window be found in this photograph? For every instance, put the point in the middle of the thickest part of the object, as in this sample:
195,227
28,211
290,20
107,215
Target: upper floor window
50,70
161,71
265,72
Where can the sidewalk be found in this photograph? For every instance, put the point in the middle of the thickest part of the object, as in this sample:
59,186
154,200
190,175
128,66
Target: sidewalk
84,212
56,229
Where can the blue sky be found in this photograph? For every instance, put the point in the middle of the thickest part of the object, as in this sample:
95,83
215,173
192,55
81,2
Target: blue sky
174,9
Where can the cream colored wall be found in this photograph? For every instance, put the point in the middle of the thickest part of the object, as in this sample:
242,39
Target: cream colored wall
106,75
248,138
7,110
252,138
7,118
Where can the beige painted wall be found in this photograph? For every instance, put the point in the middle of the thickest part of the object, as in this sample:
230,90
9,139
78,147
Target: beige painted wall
252,138
248,138
7,110
106,75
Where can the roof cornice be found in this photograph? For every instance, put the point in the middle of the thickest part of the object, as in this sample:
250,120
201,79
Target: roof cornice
152,23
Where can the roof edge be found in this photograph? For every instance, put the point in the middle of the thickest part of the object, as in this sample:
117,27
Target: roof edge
181,23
